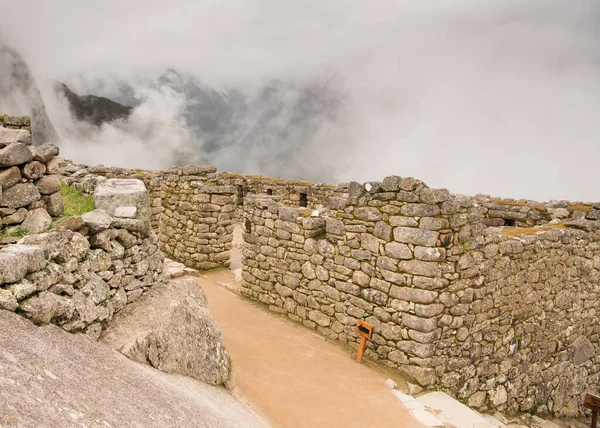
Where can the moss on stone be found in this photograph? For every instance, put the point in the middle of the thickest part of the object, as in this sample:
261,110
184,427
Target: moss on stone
580,207
510,203
512,231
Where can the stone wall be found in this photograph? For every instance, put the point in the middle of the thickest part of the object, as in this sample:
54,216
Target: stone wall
288,192
443,291
16,122
196,226
29,184
81,274
526,213
517,329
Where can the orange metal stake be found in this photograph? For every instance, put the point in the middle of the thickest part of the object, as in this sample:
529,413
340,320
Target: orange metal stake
365,330
361,349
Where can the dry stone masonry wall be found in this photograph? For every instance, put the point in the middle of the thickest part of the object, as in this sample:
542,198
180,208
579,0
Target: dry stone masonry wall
502,318
81,274
29,184
196,226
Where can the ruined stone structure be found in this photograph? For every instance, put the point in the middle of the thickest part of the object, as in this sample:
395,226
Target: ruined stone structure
492,300
29,184
502,318
89,268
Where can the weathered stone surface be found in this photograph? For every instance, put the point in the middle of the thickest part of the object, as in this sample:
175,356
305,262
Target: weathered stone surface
170,328
70,223
414,295
417,267
54,204
367,213
415,236
33,170
125,212
398,251
430,254
424,325
97,220
18,260
420,210
15,218
20,195
42,368
584,350
45,152
8,136
115,193
47,307
9,177
37,221
48,184
15,154
8,300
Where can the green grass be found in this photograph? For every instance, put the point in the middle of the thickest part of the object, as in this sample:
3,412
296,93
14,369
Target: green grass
17,232
75,201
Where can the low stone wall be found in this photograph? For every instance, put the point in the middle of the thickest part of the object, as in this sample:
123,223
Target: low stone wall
289,192
16,122
196,226
444,292
29,184
526,213
87,270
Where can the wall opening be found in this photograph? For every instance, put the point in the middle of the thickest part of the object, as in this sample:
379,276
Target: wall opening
303,200
509,222
247,226
240,195
269,191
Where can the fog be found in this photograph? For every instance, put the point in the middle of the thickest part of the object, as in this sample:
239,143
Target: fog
479,96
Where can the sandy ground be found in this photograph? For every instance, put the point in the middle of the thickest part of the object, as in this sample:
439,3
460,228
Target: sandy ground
293,376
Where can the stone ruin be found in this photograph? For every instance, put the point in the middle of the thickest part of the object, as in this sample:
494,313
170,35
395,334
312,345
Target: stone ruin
29,184
494,301
81,274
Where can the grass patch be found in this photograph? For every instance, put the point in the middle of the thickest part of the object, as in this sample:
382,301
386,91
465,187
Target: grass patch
512,231
12,232
580,207
76,202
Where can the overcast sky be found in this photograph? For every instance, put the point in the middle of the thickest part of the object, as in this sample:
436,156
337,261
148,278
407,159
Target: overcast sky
479,96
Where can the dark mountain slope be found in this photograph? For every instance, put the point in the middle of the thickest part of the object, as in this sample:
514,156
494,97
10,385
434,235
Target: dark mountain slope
93,109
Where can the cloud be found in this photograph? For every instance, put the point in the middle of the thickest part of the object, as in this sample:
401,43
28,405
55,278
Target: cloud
490,96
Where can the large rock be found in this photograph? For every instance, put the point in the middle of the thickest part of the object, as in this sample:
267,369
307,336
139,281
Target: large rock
45,153
34,170
15,154
37,221
16,261
115,193
43,385
8,136
48,184
15,218
47,307
97,220
20,195
9,177
54,204
171,328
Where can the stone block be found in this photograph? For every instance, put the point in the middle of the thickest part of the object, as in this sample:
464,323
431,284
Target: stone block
115,193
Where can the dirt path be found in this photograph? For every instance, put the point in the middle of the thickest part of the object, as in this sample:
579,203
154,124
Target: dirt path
294,377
